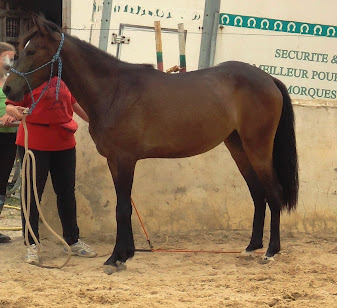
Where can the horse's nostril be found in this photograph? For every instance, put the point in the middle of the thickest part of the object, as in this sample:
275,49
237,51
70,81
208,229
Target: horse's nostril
6,90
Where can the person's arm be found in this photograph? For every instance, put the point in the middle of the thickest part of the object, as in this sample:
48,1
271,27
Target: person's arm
80,112
15,111
6,119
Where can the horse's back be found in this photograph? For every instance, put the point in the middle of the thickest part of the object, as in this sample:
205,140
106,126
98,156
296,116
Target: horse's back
246,75
179,115
221,81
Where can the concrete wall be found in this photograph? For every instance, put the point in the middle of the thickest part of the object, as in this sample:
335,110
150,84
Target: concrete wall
207,192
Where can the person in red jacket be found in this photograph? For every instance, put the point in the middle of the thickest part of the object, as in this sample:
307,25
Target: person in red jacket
51,138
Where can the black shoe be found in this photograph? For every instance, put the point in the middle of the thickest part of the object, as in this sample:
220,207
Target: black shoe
4,238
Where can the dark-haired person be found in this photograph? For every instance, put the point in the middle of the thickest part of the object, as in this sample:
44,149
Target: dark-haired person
7,134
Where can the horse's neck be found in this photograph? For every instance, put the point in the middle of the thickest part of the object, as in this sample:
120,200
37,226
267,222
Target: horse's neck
88,76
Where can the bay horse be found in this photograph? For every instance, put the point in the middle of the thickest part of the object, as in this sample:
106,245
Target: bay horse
137,112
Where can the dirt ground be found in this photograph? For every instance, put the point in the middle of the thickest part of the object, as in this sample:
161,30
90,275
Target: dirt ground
303,275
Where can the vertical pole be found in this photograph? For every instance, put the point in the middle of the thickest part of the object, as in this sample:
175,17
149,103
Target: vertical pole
209,33
105,25
182,44
159,47
92,19
213,40
66,16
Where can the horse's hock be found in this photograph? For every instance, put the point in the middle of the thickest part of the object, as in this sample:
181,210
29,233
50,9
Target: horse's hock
207,192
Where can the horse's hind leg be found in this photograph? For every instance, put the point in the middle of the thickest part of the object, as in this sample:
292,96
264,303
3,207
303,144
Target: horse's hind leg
259,151
234,145
122,171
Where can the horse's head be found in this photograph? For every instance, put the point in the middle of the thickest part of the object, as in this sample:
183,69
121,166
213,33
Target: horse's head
35,49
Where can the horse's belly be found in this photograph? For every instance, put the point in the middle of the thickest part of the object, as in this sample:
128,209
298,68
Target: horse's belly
177,143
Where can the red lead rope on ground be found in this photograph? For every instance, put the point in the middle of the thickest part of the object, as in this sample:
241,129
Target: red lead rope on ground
177,250
140,220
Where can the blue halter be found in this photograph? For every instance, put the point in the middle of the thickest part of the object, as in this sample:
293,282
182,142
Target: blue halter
55,58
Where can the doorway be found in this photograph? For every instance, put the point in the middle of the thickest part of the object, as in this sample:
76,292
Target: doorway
52,10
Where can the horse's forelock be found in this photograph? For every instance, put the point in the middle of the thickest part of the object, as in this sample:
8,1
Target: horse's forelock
49,26
26,39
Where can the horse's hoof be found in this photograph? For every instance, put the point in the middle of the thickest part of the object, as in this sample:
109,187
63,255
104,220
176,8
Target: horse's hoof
121,266
110,269
265,259
247,254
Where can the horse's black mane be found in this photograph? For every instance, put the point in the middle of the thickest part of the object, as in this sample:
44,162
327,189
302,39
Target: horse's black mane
94,51
90,49
51,28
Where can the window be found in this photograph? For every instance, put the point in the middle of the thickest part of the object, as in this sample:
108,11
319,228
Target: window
12,27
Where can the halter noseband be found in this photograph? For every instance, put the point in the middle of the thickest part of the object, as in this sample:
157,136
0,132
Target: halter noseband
55,58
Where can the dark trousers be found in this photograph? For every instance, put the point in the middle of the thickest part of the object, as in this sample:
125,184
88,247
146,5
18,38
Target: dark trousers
7,157
61,165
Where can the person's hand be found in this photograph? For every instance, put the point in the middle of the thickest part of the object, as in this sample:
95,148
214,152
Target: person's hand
17,112
7,119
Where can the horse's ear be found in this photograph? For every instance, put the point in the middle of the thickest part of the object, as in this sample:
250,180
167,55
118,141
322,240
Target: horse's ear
39,23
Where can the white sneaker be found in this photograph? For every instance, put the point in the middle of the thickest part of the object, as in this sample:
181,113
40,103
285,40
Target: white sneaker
32,255
81,249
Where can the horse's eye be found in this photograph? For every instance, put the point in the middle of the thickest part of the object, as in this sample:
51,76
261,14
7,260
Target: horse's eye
30,52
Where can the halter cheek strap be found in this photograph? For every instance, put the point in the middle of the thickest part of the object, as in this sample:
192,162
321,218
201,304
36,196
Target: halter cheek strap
55,58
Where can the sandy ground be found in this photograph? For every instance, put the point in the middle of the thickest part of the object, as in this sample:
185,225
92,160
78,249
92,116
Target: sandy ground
303,275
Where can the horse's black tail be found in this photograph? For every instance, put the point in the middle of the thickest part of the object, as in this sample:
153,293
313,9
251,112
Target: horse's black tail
285,153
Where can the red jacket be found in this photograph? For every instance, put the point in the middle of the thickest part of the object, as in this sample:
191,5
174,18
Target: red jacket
50,125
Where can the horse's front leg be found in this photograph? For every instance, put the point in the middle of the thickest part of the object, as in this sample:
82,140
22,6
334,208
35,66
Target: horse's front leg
122,171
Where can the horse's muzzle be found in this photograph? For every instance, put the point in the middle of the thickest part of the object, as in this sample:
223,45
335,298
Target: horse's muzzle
6,90
12,95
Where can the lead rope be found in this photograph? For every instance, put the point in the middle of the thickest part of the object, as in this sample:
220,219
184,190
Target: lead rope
160,249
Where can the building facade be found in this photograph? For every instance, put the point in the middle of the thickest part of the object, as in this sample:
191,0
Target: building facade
15,20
